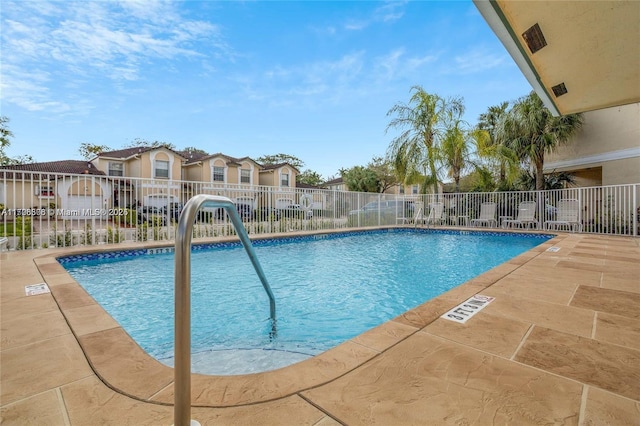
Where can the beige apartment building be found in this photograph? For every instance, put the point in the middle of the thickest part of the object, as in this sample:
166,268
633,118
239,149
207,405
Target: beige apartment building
148,176
606,151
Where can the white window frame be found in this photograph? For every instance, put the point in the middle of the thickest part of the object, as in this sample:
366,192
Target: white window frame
156,163
213,173
111,169
248,176
415,189
284,183
45,191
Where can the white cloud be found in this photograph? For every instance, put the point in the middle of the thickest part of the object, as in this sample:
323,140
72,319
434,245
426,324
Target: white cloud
387,13
398,65
390,12
478,60
101,40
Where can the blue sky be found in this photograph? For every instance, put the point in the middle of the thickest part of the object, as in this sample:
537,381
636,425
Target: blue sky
310,79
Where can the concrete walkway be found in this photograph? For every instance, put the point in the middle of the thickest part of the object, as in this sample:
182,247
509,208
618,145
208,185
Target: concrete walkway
560,344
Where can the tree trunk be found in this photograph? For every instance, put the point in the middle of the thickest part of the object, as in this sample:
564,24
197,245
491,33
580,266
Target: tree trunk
539,175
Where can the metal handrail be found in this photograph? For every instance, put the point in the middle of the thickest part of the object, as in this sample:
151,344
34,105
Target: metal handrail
182,349
418,214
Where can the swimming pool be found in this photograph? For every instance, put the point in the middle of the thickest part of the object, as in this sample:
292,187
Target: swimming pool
328,289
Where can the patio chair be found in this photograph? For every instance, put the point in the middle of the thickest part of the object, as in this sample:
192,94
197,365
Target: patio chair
566,216
526,216
487,215
418,214
436,213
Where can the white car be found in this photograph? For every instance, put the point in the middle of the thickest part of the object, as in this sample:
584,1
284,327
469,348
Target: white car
296,210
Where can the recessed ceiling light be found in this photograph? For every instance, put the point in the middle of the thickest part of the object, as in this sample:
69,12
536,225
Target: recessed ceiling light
534,38
559,89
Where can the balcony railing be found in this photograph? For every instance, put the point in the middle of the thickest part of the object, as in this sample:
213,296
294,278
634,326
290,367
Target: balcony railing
90,210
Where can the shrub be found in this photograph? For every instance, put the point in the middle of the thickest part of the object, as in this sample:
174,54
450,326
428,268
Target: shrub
64,240
114,235
142,232
87,236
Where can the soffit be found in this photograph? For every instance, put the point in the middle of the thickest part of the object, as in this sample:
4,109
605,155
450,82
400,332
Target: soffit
593,47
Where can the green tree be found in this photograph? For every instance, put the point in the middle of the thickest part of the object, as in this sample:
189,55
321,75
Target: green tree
362,179
532,131
553,180
281,158
422,128
5,133
194,150
5,140
454,153
385,173
310,177
152,144
480,180
20,159
495,150
90,150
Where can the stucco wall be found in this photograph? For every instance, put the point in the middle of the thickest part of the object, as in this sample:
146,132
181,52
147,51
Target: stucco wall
610,138
621,171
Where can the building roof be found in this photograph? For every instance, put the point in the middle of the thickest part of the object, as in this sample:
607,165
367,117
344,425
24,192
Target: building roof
126,153
64,166
228,158
269,167
192,156
577,55
302,185
336,181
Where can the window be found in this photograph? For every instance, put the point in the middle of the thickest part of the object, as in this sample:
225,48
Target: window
116,169
162,169
414,189
284,179
45,191
218,174
401,189
245,176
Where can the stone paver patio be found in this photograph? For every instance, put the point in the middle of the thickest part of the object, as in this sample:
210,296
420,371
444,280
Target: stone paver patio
560,344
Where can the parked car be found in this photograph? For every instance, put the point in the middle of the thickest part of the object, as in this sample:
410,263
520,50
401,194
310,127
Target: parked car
151,215
244,210
296,211
399,208
266,213
173,210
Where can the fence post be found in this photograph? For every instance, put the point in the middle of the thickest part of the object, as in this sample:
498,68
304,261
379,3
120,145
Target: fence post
635,208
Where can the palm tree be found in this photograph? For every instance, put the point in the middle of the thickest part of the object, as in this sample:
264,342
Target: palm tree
491,147
531,131
422,124
454,150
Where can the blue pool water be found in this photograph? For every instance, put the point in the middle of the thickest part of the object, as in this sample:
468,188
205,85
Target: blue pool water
327,291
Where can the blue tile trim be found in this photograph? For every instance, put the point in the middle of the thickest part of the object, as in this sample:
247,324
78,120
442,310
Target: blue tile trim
122,254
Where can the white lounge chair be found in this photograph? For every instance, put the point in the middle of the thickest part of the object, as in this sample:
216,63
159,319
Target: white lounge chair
567,215
487,215
418,212
526,216
436,213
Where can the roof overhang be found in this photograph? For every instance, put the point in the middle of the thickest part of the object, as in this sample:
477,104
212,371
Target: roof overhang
592,48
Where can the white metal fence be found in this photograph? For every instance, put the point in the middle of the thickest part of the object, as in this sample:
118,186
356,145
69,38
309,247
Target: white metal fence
40,210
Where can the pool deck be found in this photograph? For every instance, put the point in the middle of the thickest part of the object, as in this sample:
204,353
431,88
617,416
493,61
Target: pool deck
559,344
